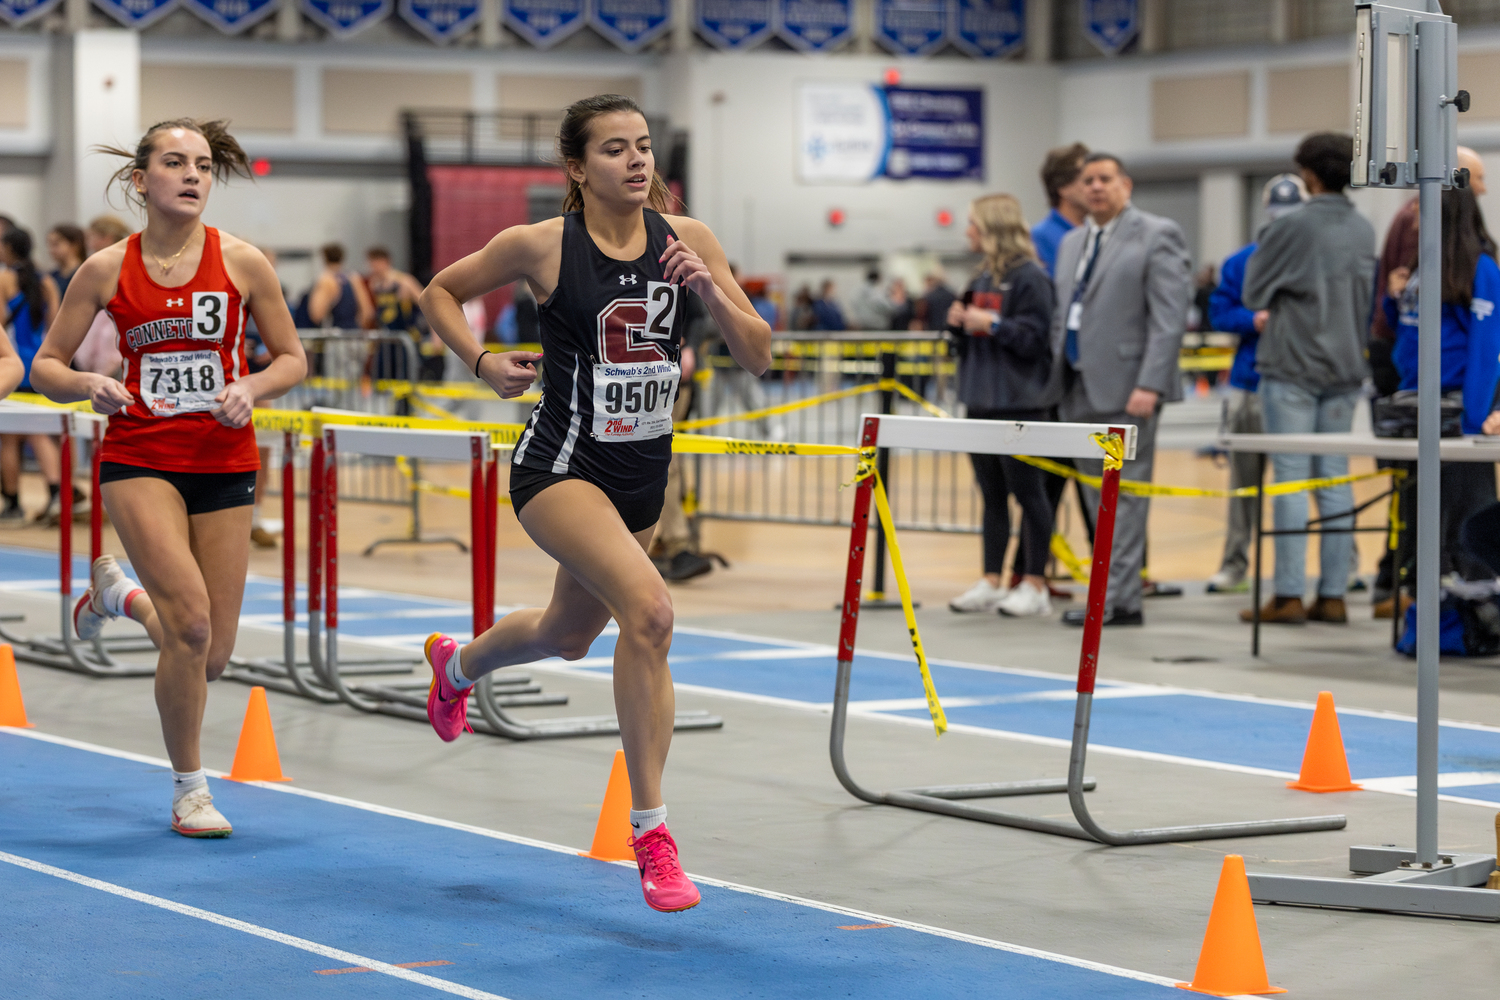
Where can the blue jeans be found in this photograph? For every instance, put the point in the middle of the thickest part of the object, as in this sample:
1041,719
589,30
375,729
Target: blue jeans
1291,409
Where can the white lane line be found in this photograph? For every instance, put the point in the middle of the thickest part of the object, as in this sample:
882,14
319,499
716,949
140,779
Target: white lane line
864,916
1446,779
338,954
973,701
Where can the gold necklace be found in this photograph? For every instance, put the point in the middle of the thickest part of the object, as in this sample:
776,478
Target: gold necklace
166,267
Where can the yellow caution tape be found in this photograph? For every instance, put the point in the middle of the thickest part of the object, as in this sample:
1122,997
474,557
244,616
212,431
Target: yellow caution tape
426,486
1156,490
1065,555
1397,525
37,399
416,400
1114,450
903,389
312,423
704,444
883,385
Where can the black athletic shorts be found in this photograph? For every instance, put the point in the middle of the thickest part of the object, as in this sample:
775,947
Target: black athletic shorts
639,509
203,492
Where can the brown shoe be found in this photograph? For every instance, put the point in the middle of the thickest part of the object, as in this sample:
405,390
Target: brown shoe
1383,609
1278,611
1328,609
262,538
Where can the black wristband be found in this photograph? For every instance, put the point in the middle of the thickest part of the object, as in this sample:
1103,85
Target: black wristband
476,362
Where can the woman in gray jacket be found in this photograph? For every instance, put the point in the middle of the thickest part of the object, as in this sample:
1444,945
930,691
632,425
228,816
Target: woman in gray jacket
1002,331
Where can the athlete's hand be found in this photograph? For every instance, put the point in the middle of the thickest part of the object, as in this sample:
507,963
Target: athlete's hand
235,404
683,266
109,395
510,373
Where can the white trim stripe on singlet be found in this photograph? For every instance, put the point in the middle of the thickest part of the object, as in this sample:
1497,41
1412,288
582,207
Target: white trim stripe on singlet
521,446
565,453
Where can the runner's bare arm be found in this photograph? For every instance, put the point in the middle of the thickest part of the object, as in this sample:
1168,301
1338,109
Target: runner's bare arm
530,252
696,260
261,289
364,305
51,299
11,369
92,287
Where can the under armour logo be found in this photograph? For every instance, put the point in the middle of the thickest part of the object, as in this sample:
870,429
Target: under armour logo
627,279
1481,308
175,302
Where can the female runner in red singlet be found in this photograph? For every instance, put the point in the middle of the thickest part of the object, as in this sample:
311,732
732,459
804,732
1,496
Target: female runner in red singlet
588,476
179,461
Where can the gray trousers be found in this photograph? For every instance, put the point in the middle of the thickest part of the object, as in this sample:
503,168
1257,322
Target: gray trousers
1129,550
1242,416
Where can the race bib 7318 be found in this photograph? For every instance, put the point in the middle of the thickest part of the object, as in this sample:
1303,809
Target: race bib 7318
174,382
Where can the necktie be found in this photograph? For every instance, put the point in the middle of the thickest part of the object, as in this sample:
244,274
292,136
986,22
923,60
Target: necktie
1070,346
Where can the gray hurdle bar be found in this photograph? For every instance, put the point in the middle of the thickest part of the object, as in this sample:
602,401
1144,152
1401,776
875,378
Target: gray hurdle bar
1054,440
65,651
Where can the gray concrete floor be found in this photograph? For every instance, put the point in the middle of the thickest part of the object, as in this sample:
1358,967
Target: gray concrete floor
757,803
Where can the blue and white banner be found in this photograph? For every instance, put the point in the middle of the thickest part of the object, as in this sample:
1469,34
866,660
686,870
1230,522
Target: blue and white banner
137,13
440,20
343,18
1111,24
911,27
544,23
232,16
632,24
815,25
734,24
988,29
18,12
850,132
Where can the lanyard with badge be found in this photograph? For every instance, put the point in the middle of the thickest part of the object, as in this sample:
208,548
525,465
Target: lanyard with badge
1075,309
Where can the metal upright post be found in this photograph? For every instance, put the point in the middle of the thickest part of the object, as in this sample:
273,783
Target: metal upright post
877,598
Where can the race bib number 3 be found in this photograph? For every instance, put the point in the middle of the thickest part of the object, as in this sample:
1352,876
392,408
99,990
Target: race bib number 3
174,382
210,315
634,402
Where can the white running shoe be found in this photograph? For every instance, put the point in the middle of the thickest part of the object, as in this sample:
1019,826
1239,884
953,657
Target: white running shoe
1226,581
90,614
1026,600
983,596
194,815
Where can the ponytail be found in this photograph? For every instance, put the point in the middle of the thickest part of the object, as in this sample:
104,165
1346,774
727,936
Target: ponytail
573,140
18,242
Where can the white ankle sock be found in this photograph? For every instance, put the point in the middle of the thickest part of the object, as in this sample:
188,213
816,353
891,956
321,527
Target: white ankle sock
116,597
646,820
184,782
455,670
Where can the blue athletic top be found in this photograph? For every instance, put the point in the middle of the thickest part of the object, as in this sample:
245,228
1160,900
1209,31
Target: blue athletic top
1227,314
26,333
1046,235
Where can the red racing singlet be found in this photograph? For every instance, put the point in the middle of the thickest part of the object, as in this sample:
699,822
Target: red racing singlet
181,347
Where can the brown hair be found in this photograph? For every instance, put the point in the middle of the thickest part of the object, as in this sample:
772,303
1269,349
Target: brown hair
72,236
378,253
333,253
227,155
1061,168
573,140
1003,236
111,226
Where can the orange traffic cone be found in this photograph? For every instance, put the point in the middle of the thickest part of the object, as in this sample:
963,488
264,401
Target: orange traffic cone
1324,766
613,831
12,708
1231,962
255,759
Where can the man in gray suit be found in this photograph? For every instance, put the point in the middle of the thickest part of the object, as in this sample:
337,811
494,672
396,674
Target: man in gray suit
1124,282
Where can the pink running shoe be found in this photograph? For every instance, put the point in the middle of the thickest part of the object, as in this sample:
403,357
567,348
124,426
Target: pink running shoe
447,709
663,884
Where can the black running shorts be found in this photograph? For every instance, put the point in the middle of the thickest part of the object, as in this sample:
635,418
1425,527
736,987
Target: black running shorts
639,509
202,492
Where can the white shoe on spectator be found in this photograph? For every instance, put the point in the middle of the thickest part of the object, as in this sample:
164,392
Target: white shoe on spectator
1026,600
983,596
1225,581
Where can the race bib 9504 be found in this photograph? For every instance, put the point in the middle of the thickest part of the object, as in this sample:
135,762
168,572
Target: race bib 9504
633,402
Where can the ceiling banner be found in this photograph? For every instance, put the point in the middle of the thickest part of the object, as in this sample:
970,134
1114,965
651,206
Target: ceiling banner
632,24
989,29
912,27
815,25
343,18
544,23
440,20
18,12
1111,24
735,24
137,13
232,16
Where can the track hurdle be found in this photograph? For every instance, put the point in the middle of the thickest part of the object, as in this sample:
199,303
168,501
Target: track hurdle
1052,440
64,650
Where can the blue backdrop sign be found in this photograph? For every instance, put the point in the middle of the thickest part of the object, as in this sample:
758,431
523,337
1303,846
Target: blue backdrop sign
440,20
632,24
137,13
735,24
987,29
343,18
911,27
1111,24
232,16
544,23
937,134
816,25
18,12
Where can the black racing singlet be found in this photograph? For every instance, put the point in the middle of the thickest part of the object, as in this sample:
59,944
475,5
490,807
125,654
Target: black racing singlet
611,341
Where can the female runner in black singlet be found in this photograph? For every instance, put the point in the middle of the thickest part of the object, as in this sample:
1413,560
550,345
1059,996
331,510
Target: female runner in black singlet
589,473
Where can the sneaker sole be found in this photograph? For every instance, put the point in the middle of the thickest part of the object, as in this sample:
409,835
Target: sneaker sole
202,834
674,909
432,689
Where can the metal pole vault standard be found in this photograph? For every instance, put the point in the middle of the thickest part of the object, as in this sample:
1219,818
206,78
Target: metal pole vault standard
65,650
1051,440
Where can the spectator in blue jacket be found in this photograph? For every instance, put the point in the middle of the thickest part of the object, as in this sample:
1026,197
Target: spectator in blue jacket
1061,173
826,312
1470,348
1227,313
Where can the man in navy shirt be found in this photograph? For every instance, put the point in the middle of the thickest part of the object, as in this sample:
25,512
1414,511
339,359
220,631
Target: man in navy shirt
1227,314
1061,171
